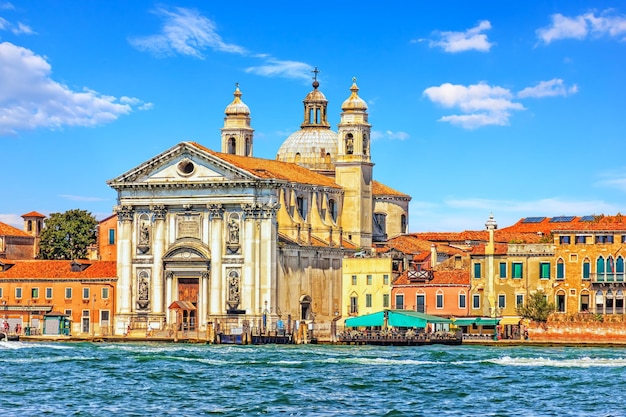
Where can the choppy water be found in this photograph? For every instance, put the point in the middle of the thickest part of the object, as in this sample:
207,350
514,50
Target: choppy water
85,379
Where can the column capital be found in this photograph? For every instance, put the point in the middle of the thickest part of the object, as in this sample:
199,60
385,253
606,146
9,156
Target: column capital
124,213
159,211
216,211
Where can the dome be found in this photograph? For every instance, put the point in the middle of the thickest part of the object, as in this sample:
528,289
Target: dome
354,102
237,106
314,148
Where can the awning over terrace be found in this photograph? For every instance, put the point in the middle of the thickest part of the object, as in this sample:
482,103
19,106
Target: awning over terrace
395,318
479,321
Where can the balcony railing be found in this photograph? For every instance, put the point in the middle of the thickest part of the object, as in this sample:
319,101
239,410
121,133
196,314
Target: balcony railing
608,277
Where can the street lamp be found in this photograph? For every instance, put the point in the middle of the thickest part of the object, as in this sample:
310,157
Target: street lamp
93,318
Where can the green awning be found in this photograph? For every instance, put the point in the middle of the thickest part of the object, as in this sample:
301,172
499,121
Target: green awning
369,320
395,318
479,321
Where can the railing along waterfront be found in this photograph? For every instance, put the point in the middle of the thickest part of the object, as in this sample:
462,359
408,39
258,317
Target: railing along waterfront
391,337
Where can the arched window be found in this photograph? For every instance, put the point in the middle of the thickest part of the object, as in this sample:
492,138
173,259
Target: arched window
420,302
297,158
462,300
560,269
365,145
332,208
560,301
600,270
349,144
439,299
586,272
305,308
610,268
599,302
403,223
232,145
619,269
609,302
248,147
584,301
29,226
327,158
619,302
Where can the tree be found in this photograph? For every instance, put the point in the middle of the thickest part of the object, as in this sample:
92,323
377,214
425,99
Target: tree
537,307
67,235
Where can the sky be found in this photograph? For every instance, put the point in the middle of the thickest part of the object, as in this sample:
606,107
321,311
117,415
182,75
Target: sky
515,109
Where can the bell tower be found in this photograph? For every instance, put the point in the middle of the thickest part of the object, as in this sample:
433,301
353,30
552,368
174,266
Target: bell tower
237,134
353,169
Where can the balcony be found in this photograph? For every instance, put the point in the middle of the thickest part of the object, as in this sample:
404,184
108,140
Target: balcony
608,277
420,276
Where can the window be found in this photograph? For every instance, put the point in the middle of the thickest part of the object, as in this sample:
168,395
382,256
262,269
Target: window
332,207
30,226
477,270
232,146
386,279
85,293
0,292
475,301
462,301
560,269
68,311
600,269
403,224
400,301
353,279
105,293
501,301
354,305
604,239
586,269
386,300
581,240
439,300
564,240
623,238
68,293
517,270
18,293
34,293
519,300
302,207
544,270
111,236
104,317
368,300
420,302
369,280
584,302
502,269
560,302
48,293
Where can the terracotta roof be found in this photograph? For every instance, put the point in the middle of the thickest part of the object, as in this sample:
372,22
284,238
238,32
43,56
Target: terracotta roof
6,230
271,169
34,214
455,277
414,244
502,236
499,249
57,269
548,225
382,189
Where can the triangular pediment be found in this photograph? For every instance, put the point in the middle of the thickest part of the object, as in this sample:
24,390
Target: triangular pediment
184,163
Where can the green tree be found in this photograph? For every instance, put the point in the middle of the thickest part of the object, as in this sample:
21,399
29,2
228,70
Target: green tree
537,307
67,235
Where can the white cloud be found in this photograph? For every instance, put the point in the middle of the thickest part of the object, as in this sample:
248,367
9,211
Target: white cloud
471,39
388,134
30,99
14,220
286,69
551,88
6,6
613,179
184,32
19,29
482,104
581,26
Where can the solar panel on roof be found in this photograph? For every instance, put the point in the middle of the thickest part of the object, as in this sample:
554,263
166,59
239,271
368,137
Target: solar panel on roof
533,220
587,218
562,219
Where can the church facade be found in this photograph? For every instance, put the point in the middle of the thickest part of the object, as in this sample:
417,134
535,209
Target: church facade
229,242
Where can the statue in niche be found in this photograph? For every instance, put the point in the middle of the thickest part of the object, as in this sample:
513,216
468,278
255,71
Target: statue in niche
233,290
233,231
143,293
144,234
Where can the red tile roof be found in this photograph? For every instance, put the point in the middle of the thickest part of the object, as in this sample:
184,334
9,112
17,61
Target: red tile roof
6,230
499,249
548,225
271,169
501,235
57,269
379,189
34,214
413,244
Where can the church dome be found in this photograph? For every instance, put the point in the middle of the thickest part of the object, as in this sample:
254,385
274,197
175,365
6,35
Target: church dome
354,102
237,106
314,146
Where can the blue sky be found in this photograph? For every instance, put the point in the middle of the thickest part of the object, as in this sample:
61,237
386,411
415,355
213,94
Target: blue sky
511,108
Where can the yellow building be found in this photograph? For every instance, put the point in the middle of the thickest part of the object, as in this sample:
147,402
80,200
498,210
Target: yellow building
366,286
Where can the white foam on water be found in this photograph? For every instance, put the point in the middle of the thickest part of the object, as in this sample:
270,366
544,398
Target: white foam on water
582,362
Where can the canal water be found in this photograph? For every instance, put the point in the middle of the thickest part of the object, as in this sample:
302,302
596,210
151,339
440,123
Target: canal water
144,379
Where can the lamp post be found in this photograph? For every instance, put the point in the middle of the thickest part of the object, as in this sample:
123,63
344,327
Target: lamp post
93,317
30,329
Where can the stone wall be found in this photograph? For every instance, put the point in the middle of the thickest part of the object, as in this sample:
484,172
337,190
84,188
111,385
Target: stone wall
590,329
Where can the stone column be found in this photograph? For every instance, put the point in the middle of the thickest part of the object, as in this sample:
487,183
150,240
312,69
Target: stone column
268,255
124,256
217,296
204,301
249,293
169,278
158,249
